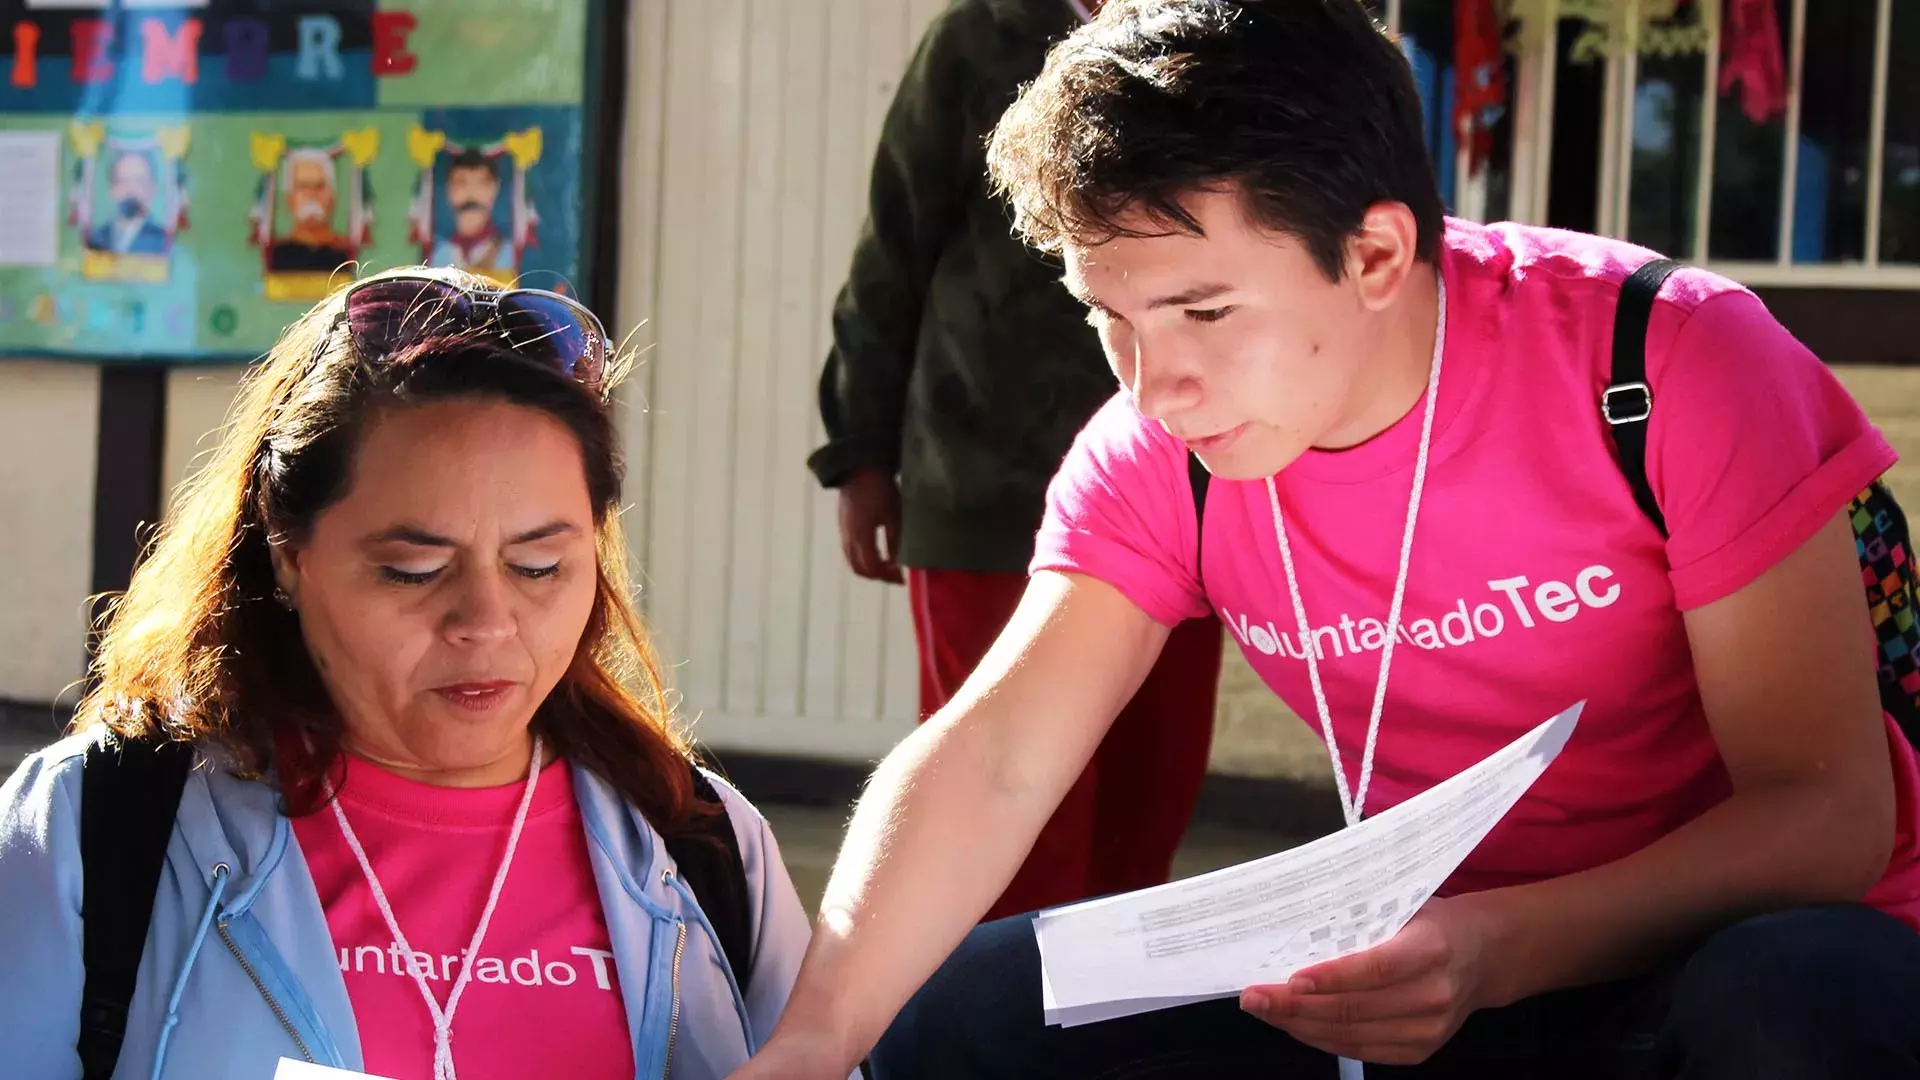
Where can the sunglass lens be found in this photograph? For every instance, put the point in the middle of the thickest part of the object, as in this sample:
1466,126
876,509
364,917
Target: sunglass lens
554,330
387,312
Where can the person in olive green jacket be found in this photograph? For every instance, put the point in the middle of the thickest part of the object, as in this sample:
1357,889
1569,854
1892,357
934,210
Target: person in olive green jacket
961,370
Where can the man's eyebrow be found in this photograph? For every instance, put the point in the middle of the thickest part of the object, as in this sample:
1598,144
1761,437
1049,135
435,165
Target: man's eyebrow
1196,294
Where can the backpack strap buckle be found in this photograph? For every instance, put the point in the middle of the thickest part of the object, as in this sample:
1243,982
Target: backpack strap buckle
1627,403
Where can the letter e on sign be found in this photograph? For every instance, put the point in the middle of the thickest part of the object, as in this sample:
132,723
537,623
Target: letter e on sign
390,55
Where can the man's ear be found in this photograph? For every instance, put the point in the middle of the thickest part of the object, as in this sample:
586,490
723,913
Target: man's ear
1381,254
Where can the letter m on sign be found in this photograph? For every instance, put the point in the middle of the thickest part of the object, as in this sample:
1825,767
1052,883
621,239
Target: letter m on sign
170,54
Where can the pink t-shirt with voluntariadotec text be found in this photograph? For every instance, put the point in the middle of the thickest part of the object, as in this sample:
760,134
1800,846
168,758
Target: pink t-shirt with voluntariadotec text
544,997
1536,580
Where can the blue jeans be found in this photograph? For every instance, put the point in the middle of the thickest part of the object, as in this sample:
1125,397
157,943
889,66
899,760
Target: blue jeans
1826,992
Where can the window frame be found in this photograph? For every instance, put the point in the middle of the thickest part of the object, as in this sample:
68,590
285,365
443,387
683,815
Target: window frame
1616,152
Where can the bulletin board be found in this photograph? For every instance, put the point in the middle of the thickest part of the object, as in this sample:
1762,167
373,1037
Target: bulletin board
179,181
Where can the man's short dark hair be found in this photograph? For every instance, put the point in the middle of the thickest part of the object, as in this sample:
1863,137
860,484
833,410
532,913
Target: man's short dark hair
1305,106
472,159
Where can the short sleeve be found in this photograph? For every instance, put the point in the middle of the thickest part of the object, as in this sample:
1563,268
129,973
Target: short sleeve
1121,510
1753,445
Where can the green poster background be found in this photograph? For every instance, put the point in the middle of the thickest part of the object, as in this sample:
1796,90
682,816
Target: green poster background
485,68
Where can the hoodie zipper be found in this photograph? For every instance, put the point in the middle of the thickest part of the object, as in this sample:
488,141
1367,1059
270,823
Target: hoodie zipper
281,1014
673,1019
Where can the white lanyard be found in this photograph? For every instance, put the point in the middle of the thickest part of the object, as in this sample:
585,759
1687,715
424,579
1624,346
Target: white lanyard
443,1019
1351,804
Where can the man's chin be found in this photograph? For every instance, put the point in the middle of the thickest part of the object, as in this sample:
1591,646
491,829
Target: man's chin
1236,471
1245,462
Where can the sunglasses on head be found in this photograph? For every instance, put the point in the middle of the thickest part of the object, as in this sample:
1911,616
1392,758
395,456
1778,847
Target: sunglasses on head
387,313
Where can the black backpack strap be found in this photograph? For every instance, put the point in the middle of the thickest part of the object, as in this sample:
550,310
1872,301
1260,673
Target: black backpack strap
129,796
1198,478
710,864
1627,403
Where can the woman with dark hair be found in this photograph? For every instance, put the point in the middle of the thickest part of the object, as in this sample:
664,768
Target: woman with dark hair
438,818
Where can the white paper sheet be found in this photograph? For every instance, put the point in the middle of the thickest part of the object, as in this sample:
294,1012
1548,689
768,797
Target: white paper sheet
29,198
1214,935
290,1069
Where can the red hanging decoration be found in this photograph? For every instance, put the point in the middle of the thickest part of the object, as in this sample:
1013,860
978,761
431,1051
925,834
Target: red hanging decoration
1480,77
1752,57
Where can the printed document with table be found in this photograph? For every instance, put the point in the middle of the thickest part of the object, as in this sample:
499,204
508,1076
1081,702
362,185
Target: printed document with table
1257,923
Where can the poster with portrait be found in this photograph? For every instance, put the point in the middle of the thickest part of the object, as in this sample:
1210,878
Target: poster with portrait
184,179
472,207
128,199
312,211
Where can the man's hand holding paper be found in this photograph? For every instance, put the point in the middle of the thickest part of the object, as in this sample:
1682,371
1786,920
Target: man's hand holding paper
1395,1003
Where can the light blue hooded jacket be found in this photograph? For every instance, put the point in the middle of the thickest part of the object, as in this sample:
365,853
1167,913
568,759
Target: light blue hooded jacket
240,970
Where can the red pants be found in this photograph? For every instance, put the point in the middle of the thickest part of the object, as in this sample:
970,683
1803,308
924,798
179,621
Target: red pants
1119,825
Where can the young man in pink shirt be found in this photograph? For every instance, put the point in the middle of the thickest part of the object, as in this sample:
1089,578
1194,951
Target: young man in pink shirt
1718,878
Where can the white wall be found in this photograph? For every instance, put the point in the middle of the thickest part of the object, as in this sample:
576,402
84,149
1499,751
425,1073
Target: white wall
49,418
752,124
197,400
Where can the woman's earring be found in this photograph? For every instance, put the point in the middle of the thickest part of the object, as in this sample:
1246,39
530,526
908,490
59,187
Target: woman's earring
280,595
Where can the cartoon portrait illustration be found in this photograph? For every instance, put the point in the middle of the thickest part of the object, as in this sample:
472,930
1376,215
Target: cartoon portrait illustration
311,194
459,218
312,212
128,200
131,190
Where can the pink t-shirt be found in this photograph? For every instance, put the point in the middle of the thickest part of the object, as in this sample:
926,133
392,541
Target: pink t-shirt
544,998
1536,580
